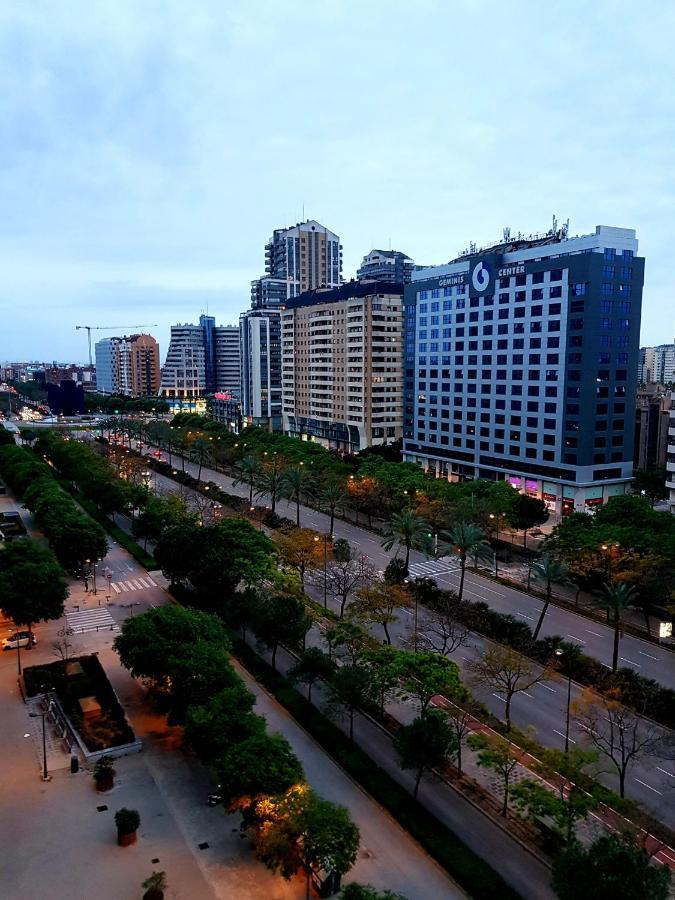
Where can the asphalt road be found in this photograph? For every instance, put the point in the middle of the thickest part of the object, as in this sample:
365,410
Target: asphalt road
650,781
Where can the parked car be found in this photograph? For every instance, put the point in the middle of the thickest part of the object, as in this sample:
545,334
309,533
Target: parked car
19,639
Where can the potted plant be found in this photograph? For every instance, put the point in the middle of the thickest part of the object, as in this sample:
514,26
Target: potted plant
127,821
104,773
155,886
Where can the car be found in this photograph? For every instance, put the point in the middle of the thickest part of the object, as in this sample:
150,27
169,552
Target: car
19,639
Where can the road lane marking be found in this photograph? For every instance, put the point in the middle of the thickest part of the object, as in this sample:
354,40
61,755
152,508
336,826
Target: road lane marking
642,653
123,586
547,688
596,633
630,661
499,698
644,783
669,774
130,585
525,616
115,588
525,694
153,583
575,638
571,740
138,584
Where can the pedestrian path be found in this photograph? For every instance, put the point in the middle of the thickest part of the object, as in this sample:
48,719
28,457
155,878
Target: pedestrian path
86,620
132,584
433,567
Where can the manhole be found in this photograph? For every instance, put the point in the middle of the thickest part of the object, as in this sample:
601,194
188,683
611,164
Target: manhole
204,845
101,808
155,860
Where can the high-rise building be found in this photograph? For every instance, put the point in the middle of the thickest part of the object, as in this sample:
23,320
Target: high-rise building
268,292
201,360
260,337
520,364
305,257
670,461
652,418
657,364
342,365
387,265
128,366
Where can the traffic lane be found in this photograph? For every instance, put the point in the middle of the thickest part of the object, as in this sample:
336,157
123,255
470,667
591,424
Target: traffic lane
594,638
542,709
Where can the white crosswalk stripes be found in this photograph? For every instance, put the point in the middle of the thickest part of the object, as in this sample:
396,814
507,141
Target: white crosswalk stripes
132,584
432,567
84,620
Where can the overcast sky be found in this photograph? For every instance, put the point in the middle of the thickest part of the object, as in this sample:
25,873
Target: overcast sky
148,149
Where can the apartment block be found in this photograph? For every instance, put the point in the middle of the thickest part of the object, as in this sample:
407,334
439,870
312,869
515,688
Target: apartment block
305,257
342,365
128,366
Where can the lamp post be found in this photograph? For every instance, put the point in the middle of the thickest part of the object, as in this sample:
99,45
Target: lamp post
560,653
325,566
495,519
45,773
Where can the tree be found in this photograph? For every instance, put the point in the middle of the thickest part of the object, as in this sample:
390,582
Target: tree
612,868
313,665
395,571
467,540
332,497
349,572
618,734
377,604
551,572
441,629
176,550
295,484
299,549
261,765
526,512
269,479
462,712
32,586
303,831
424,744
616,599
368,496
355,891
651,483
225,719
508,673
280,619
560,799
350,690
247,471
406,530
425,674
349,636
497,757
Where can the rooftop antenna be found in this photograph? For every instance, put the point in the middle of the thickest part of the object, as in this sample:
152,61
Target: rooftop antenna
507,234
303,212
555,224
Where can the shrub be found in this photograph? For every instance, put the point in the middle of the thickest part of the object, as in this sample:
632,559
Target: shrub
127,820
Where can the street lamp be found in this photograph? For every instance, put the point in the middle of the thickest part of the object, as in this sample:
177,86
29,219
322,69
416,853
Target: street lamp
42,714
560,654
260,518
325,571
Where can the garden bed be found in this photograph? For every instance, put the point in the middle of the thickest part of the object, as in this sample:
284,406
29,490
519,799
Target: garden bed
99,721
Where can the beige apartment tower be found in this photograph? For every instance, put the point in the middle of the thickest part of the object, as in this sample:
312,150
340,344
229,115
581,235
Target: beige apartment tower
342,365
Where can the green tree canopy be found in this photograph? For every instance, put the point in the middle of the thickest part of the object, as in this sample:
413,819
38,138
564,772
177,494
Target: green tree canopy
32,586
261,765
425,743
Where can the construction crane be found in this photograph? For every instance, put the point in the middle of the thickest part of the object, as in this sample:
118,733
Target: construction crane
90,328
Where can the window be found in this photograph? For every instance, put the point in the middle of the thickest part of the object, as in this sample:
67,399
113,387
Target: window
624,324
626,273
537,278
537,310
610,253
625,306
577,306
521,296
628,255
578,290
608,271
606,306
554,325
576,324
553,342
538,294
606,324
556,274
554,309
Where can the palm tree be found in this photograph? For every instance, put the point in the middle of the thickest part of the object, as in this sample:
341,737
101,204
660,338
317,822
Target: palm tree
407,530
332,496
247,470
467,540
270,479
551,572
203,451
618,597
295,483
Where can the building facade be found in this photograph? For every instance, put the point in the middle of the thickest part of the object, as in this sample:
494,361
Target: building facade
201,360
386,265
128,366
670,461
520,365
342,365
260,343
652,419
656,365
304,257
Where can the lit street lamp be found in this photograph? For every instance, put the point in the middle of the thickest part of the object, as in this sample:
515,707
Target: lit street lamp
560,653
45,773
325,570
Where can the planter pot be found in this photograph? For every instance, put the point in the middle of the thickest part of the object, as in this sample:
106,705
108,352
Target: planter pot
105,783
125,840
153,894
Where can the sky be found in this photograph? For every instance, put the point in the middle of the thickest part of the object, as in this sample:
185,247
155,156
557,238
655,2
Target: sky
148,150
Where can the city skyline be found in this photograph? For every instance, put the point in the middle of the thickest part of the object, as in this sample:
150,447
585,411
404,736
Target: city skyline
141,175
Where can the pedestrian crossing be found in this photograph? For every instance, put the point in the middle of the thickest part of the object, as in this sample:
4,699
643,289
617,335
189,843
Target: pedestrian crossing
132,584
96,619
430,568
